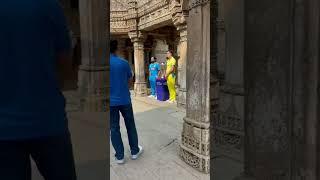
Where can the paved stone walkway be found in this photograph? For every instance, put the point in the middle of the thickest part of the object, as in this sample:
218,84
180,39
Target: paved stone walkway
159,127
89,133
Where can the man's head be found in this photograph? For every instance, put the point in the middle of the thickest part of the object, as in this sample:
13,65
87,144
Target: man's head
113,46
169,54
153,59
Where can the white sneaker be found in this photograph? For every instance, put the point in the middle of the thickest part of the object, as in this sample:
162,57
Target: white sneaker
121,161
136,156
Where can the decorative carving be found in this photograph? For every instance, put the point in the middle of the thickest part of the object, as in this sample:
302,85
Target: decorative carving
229,119
133,15
195,138
229,141
200,163
118,5
195,3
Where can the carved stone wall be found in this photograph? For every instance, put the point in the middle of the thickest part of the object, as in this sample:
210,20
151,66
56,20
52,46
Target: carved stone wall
160,49
147,15
229,125
195,145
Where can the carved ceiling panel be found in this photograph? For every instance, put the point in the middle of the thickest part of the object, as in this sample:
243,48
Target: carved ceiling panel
151,14
144,2
119,5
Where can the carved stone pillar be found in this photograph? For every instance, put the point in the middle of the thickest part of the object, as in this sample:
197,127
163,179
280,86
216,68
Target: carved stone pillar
180,21
93,76
195,144
282,87
140,85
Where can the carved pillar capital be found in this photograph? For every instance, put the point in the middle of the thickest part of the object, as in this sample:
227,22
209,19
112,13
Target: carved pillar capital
137,36
180,23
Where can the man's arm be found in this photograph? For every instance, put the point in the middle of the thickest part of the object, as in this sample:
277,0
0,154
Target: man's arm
64,66
171,69
62,39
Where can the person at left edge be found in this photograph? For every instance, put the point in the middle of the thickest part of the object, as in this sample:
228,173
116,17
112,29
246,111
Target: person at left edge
34,38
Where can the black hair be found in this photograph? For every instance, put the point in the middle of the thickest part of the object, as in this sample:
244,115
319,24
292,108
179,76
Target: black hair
113,46
170,51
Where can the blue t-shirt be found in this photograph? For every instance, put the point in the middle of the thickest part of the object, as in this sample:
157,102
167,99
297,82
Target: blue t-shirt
154,69
120,73
32,34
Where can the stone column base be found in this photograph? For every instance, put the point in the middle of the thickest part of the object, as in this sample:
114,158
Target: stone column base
93,90
140,89
195,160
194,148
93,104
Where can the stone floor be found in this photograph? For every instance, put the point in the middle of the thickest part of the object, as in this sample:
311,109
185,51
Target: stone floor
90,138
159,126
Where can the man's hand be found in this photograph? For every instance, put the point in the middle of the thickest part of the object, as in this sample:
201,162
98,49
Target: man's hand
64,67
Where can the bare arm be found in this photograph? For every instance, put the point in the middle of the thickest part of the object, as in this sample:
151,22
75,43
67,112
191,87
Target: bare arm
170,71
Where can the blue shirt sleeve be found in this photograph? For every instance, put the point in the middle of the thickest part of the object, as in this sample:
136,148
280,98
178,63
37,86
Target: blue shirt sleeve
61,33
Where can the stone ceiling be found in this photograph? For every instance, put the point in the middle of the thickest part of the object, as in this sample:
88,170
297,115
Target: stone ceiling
122,5
151,14
142,2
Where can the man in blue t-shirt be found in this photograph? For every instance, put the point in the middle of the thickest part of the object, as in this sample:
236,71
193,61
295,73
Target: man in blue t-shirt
154,69
120,101
34,38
